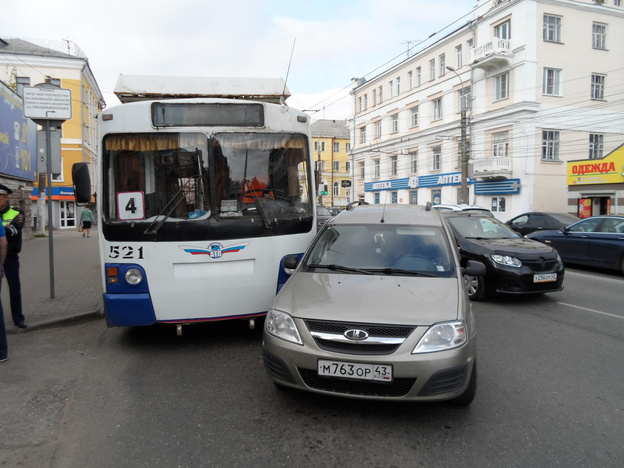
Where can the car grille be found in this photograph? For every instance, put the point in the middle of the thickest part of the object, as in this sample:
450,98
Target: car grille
397,388
333,338
541,264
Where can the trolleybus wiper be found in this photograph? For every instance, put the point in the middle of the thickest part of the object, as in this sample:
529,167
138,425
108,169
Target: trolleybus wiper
153,228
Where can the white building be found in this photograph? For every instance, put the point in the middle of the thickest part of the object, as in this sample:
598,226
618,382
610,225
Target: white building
543,82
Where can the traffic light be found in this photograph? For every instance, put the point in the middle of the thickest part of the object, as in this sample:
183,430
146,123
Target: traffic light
323,189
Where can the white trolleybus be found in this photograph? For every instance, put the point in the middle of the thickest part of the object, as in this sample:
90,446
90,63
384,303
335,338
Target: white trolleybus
198,203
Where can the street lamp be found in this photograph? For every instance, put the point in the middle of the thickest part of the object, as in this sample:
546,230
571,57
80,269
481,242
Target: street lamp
462,142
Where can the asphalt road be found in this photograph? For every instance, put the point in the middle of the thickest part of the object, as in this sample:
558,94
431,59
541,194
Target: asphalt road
551,393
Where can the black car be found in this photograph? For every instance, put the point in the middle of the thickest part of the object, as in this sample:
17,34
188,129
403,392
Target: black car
540,221
322,216
597,241
514,264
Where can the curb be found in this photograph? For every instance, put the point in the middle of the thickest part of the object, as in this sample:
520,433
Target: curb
58,322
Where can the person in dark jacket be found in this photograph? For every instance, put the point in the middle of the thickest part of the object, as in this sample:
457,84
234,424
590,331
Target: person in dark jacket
13,220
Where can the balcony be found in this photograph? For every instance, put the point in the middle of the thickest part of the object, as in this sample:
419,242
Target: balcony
492,55
492,168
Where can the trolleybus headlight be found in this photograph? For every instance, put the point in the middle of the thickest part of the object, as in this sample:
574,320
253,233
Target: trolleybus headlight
134,276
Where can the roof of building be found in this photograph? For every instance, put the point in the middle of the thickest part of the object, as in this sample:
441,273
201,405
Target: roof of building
132,88
330,129
41,48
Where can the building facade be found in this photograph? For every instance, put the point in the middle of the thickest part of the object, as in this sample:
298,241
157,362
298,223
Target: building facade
26,63
332,147
539,83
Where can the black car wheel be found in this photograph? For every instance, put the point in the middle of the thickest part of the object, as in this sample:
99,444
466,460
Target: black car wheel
476,287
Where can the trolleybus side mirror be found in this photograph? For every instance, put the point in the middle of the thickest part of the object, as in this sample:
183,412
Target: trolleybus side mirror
82,183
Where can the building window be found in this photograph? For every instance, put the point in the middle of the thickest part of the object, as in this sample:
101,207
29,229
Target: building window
347,166
376,167
414,116
395,198
596,145
437,109
394,165
316,146
458,57
336,147
390,88
432,69
442,64
499,204
599,36
500,144
348,147
414,162
436,197
418,76
550,145
551,86
380,94
323,166
398,85
21,81
360,104
365,101
410,79
336,189
362,172
597,86
503,31
413,197
552,28
377,198
323,146
436,152
378,129
465,100
394,123
336,166
374,97
363,135
501,85
617,2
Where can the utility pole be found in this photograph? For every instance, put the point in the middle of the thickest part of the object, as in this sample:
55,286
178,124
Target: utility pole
463,122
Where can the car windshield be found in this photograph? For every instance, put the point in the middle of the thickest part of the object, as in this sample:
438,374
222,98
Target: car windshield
476,227
381,249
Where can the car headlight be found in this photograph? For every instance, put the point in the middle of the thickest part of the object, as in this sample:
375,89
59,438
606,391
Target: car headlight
282,325
442,337
506,260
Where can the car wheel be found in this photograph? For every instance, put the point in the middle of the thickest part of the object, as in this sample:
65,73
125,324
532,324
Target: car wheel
476,287
469,394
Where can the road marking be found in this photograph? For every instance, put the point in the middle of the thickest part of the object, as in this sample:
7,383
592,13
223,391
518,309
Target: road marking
592,310
602,278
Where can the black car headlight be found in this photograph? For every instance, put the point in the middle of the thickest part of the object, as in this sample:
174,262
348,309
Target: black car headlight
506,260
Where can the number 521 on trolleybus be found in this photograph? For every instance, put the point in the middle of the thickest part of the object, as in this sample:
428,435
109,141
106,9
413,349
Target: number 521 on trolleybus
199,201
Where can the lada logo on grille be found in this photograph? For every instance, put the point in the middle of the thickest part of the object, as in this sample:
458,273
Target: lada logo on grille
355,334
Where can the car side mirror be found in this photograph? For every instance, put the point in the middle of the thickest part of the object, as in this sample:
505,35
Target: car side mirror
474,268
291,262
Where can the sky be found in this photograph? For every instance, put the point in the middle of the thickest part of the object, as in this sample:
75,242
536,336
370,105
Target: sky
331,41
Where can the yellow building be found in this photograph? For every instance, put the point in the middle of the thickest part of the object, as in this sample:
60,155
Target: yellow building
28,63
332,154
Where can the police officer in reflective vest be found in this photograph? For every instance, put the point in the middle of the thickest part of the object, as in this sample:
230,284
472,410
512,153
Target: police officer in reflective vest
13,221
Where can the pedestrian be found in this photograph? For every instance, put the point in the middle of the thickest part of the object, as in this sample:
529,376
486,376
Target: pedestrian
13,220
86,218
4,348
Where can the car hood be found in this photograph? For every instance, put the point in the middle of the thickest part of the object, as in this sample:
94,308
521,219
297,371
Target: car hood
514,247
399,300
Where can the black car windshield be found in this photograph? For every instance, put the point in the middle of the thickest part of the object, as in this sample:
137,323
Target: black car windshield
381,250
477,227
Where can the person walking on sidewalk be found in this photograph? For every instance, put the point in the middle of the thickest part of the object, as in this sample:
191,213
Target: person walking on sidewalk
13,221
4,348
86,218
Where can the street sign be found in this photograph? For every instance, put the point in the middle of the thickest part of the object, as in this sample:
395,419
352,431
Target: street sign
47,103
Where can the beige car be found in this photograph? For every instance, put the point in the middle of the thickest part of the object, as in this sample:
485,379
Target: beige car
376,309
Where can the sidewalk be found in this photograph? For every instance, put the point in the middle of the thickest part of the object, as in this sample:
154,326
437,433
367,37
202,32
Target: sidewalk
77,281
